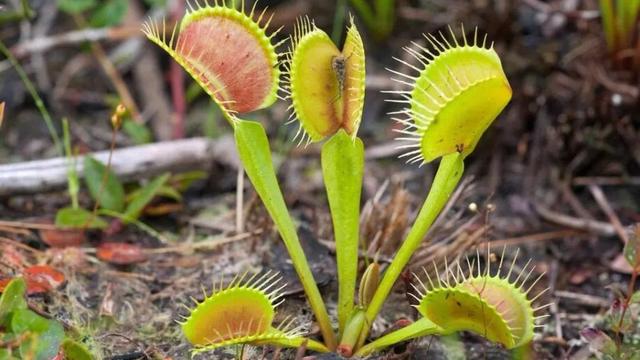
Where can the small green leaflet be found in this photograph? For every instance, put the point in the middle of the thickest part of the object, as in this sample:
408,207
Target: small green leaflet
103,185
78,218
144,196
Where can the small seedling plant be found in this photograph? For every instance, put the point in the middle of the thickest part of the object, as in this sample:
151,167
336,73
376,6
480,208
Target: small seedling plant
110,197
456,92
24,334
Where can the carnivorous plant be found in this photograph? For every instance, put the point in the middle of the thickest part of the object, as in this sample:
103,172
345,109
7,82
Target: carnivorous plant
458,90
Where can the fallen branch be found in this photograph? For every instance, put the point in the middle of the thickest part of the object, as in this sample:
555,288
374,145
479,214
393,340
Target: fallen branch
604,204
606,181
128,163
74,37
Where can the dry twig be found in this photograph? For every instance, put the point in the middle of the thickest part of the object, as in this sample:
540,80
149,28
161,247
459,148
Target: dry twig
602,201
128,163
43,44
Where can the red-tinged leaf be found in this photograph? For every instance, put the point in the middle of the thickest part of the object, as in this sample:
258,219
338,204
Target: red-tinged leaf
44,277
236,60
404,322
33,286
121,253
63,237
227,53
36,287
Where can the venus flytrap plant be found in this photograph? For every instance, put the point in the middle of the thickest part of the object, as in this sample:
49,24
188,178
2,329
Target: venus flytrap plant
459,90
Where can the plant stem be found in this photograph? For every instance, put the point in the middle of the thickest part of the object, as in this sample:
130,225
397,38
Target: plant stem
627,300
379,20
342,169
445,181
73,184
255,154
422,327
365,12
296,343
105,176
36,98
338,21
386,13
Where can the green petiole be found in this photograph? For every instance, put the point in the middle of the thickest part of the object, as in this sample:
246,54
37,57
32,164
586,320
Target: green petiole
421,327
255,154
73,184
342,169
445,181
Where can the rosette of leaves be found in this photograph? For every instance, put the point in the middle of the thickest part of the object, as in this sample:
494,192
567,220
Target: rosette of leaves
457,93
108,192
